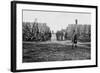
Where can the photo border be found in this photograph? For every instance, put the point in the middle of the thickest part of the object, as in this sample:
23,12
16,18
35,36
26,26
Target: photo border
13,34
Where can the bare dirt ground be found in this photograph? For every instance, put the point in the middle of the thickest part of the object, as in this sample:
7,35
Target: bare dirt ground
67,42
55,51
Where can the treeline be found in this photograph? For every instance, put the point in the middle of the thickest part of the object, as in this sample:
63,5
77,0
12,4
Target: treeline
83,32
41,32
35,31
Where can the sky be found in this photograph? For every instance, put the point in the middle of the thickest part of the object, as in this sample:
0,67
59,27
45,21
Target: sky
56,20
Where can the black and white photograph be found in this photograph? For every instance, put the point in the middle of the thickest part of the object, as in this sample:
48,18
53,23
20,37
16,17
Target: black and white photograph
48,36
56,36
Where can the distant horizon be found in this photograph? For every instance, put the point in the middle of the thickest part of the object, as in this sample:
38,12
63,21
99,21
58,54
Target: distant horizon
56,21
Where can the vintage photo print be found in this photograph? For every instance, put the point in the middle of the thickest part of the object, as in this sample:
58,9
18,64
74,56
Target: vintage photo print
56,36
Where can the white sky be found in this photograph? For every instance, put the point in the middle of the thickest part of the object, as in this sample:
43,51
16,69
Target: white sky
56,20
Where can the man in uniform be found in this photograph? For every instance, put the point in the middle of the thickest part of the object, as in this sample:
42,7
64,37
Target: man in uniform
74,39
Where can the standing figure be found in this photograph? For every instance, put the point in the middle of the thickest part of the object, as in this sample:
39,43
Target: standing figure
65,36
74,39
61,35
57,35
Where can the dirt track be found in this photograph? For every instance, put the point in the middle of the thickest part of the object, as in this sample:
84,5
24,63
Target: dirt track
67,42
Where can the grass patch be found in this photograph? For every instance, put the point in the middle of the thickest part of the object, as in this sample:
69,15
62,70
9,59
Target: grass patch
35,52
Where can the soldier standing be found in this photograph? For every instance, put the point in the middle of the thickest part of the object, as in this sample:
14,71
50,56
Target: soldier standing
74,39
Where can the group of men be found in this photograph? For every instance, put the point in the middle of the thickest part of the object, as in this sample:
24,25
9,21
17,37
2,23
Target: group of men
61,36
